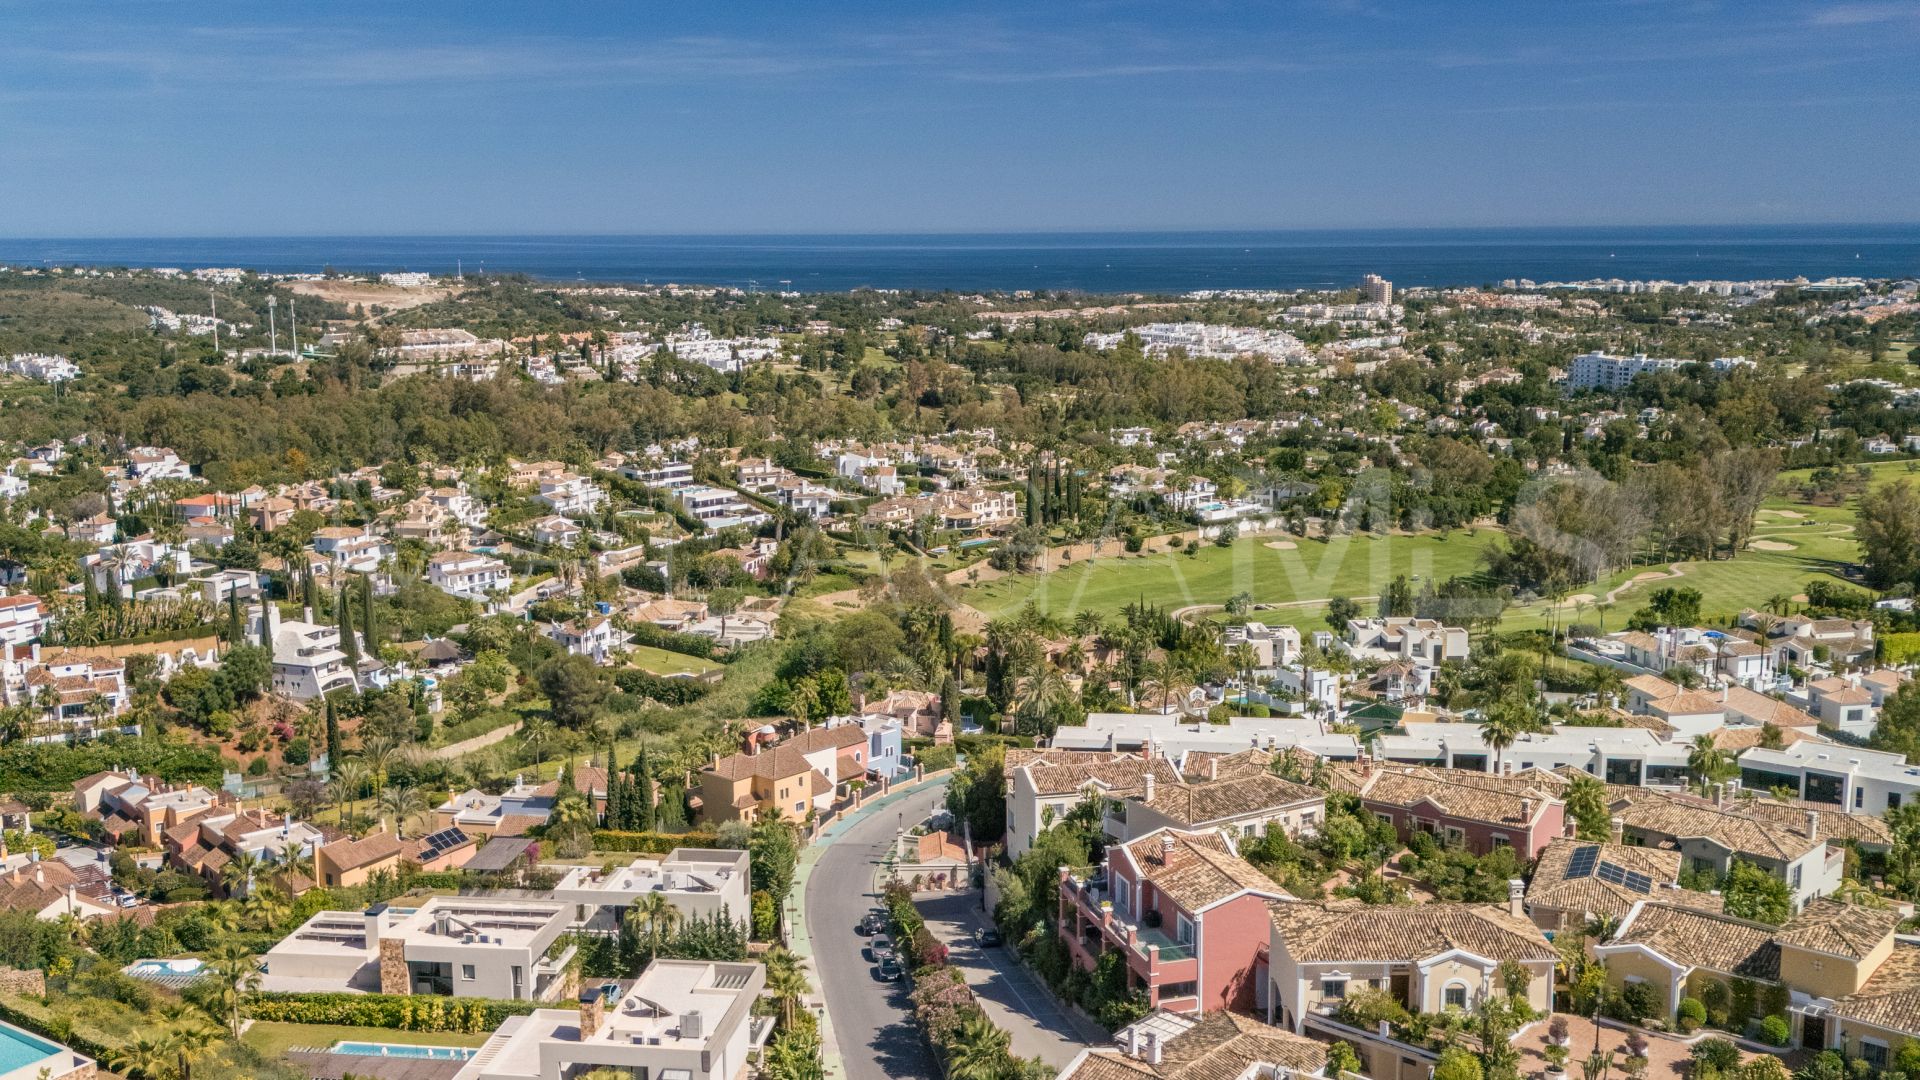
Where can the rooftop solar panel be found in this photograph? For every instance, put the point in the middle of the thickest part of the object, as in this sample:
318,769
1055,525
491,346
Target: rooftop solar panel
1582,863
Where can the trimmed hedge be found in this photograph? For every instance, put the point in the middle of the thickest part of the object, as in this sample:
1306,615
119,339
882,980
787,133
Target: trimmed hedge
401,1012
650,843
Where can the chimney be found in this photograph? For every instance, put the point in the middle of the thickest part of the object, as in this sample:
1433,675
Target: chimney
1720,795
1213,769
1813,824
1526,810
1166,848
1148,783
1517,898
1619,830
592,1010
1152,1053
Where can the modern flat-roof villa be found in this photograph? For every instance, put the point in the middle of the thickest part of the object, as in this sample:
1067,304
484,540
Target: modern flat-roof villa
682,1020
699,882
451,945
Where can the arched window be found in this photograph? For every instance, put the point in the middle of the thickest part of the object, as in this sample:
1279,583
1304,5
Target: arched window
1454,995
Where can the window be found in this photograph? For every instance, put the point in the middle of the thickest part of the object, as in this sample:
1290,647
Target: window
800,807
1333,989
1796,879
1179,990
466,972
1859,797
1184,930
1874,1053
1456,835
1501,840
1893,800
1454,996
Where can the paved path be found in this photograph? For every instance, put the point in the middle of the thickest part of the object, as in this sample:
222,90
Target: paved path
869,1032
478,742
1011,994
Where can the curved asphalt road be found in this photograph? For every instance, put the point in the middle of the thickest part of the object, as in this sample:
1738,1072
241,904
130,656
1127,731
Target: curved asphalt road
872,1021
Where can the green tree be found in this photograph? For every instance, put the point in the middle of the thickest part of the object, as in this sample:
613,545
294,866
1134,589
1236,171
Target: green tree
1888,526
1587,805
1458,1063
574,689
1753,893
977,1050
1341,611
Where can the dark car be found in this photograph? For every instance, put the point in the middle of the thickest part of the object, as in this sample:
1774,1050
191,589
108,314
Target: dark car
889,969
988,938
866,926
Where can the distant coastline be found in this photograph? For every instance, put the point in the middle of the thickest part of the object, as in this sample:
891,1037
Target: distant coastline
1093,262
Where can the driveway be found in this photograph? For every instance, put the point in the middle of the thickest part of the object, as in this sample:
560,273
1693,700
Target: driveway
873,1028
1012,995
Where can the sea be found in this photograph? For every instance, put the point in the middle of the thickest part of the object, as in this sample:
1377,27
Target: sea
1091,262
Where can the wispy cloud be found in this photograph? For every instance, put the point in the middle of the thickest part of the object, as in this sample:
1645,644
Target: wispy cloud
1865,14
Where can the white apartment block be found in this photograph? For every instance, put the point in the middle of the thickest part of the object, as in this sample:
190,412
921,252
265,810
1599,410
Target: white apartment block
41,367
149,463
1605,371
873,474
681,1020
467,574
671,475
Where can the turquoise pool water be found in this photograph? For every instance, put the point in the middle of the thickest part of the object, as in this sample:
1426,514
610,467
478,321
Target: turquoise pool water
19,1049
402,1050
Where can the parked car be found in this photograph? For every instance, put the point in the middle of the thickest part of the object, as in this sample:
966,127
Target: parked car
988,938
889,969
865,926
879,948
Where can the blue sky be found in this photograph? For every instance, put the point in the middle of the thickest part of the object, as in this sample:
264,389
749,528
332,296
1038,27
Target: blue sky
208,118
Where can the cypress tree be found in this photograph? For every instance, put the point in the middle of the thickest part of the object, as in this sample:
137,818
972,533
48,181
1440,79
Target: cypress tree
236,631
643,817
266,625
343,617
367,625
333,738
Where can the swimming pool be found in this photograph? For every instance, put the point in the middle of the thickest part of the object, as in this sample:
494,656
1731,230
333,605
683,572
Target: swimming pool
402,1050
164,967
19,1050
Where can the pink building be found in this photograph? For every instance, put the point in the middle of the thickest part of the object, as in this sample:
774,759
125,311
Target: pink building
1188,914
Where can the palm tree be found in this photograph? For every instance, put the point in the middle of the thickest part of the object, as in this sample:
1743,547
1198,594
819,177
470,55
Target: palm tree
977,1050
537,733
146,1057
1506,720
239,873
236,971
379,752
402,803
349,780
785,981
656,911
1705,761
189,1041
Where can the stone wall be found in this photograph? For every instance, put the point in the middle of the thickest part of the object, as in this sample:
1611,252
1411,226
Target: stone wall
393,967
85,1072
30,981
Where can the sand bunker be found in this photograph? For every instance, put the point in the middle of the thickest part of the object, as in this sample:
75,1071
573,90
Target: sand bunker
1769,545
1798,598
1652,575
1577,599
1784,513
1281,545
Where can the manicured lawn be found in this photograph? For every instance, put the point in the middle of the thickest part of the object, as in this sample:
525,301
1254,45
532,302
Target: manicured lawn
1311,570
1818,541
274,1039
662,662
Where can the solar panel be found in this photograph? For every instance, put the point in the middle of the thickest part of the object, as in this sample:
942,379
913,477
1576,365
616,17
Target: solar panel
1616,874
1640,883
437,844
1581,865
1612,873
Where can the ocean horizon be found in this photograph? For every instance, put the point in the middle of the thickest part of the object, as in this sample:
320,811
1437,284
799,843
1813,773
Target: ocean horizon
1091,262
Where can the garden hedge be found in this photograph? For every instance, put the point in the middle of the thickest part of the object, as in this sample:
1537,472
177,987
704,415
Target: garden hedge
651,843
401,1012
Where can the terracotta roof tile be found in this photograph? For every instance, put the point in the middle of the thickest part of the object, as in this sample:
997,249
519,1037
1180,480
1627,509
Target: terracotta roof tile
1319,933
